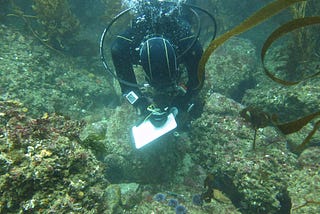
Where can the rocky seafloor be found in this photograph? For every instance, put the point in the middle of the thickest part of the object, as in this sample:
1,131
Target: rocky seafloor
65,143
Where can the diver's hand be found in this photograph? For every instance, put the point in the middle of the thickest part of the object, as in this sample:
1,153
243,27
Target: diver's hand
142,105
139,101
158,118
181,102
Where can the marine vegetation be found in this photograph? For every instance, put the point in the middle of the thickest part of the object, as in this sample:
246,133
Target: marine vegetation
41,160
259,119
255,19
53,23
286,28
58,23
301,48
51,164
296,125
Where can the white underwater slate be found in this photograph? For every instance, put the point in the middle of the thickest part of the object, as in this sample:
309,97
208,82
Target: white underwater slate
145,133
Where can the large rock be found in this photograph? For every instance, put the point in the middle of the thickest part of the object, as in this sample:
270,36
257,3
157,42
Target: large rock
232,68
255,180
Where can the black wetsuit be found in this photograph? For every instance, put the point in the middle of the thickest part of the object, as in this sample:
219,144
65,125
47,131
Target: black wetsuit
164,22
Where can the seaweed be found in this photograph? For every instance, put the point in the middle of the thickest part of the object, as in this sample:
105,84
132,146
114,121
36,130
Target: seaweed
53,23
59,24
301,49
296,125
306,203
282,30
261,119
258,119
263,14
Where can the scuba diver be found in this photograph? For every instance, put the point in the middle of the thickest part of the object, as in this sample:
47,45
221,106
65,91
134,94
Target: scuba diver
157,36
160,39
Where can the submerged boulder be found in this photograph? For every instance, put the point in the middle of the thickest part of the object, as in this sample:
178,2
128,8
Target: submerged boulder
255,180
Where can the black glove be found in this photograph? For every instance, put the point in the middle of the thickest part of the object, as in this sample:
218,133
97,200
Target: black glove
182,102
158,118
138,100
142,104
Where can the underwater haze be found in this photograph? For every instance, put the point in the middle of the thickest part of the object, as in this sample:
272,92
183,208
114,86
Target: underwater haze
251,145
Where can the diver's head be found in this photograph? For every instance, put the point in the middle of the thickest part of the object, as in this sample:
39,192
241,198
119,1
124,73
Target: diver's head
158,59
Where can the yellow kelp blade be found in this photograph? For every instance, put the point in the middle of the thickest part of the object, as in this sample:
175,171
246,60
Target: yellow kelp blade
306,141
286,28
294,126
258,17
